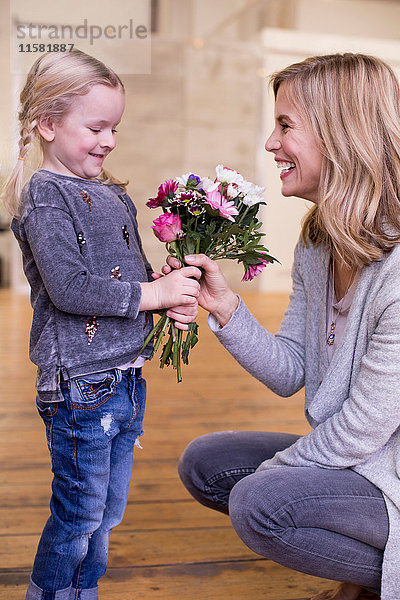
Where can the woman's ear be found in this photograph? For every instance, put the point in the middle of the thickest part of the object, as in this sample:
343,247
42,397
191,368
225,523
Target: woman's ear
46,128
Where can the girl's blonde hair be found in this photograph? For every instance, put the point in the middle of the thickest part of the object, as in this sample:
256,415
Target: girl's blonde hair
352,104
52,84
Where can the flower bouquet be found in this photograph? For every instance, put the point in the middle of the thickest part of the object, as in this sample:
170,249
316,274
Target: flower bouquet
217,218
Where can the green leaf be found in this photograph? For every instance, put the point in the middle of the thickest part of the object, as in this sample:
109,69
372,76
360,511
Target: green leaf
190,245
166,356
190,341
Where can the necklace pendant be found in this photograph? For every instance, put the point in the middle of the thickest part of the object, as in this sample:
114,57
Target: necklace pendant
331,336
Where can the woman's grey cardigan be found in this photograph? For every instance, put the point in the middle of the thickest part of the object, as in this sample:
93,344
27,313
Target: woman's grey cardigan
353,404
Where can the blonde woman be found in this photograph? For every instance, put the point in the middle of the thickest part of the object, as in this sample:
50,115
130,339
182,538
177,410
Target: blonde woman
326,503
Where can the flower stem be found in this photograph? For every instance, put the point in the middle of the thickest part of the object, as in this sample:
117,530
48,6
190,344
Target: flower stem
243,215
165,356
177,353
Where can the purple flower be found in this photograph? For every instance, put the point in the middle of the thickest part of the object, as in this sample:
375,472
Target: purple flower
196,209
192,181
185,197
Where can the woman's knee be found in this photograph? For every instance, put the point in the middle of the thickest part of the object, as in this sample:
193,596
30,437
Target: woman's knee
192,460
195,470
209,470
205,456
245,510
255,510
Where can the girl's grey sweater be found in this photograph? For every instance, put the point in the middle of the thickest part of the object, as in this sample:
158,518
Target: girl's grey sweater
83,258
354,403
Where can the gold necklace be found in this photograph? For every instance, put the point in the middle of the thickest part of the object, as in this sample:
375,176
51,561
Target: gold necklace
331,336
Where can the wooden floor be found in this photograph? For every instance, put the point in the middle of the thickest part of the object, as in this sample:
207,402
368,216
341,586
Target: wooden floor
168,546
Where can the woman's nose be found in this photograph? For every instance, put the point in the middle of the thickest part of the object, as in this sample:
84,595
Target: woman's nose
272,144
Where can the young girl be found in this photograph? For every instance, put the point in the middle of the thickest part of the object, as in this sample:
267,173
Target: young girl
91,288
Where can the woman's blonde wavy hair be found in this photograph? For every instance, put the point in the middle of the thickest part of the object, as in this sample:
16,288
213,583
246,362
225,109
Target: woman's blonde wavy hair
352,103
52,84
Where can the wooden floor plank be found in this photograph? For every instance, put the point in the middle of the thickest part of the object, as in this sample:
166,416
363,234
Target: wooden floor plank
180,514
168,546
239,580
145,548
32,494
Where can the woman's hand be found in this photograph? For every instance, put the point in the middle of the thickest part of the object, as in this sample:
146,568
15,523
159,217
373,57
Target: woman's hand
215,295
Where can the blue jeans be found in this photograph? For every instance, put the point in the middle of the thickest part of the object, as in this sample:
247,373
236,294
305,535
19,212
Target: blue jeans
331,523
91,436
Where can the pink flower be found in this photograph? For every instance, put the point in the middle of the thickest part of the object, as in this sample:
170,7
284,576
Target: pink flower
166,191
168,188
226,208
252,271
155,202
166,227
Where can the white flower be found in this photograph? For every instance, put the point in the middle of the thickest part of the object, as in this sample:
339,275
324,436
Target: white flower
232,190
182,180
252,193
228,175
246,187
252,199
208,185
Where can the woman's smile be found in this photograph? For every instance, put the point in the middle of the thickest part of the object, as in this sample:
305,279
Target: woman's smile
296,149
285,167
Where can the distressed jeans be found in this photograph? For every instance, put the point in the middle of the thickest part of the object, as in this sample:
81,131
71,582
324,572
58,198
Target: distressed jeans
330,523
91,437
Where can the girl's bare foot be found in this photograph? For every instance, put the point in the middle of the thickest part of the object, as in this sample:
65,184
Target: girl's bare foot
345,591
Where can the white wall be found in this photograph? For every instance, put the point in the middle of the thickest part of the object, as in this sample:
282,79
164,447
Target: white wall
5,88
364,18
209,104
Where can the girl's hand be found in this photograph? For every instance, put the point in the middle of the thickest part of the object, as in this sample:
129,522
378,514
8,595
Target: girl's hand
215,294
182,315
177,289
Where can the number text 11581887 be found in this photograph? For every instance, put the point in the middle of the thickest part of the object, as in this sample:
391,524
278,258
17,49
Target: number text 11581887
45,47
